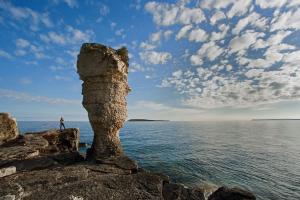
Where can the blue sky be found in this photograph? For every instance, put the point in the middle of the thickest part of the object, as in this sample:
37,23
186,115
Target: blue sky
189,60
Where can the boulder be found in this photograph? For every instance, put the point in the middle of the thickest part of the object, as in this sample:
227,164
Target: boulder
225,193
173,191
8,128
66,140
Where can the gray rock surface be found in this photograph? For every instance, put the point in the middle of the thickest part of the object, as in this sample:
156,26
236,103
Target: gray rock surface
225,193
8,128
172,191
103,71
83,181
41,150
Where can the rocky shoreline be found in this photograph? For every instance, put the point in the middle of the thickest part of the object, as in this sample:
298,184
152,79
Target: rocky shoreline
47,165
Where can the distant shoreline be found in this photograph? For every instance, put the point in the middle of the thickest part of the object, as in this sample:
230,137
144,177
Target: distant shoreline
147,120
272,119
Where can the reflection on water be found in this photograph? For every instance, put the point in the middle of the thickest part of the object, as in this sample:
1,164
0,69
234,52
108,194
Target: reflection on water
262,156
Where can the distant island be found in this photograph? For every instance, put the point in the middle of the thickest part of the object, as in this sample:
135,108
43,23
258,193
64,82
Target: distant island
272,119
147,120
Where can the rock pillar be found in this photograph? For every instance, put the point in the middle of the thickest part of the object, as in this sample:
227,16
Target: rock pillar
104,71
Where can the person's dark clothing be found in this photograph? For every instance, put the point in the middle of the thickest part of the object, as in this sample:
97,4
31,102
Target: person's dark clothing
61,124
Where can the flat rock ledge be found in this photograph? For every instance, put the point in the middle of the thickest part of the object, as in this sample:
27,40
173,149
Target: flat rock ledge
47,165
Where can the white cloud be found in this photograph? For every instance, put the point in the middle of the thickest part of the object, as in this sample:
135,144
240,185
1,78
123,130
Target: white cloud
286,20
71,3
56,38
104,10
5,54
23,13
22,96
147,46
23,47
135,67
196,60
270,4
197,35
218,4
155,37
169,14
71,36
241,43
210,50
183,32
239,8
217,16
21,43
153,57
167,34
253,19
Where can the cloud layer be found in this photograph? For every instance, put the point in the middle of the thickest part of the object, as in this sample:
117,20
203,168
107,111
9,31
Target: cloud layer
244,56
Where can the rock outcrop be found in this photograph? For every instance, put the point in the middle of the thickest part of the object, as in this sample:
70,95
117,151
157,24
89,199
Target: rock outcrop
41,150
225,193
103,71
8,128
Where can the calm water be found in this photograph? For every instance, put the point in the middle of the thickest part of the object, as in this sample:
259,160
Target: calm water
262,156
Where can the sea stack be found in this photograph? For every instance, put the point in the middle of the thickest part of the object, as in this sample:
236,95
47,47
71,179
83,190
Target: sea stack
104,71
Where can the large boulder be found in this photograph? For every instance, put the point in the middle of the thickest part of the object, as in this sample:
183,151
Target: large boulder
8,128
225,193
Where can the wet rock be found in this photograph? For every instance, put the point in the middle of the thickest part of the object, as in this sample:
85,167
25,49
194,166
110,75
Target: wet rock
173,191
224,193
103,71
6,171
8,128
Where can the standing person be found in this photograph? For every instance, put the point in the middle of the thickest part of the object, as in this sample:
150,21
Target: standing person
61,124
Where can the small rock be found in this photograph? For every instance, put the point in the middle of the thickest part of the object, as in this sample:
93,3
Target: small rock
6,171
224,193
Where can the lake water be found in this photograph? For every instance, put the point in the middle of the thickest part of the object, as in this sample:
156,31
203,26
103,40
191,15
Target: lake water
262,156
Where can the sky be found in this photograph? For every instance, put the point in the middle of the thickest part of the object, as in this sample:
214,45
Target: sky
189,60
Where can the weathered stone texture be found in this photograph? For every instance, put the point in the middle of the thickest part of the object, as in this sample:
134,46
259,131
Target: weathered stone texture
8,128
41,150
225,193
104,75
6,171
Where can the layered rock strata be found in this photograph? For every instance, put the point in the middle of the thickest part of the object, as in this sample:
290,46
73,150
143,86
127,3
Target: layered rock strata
8,128
103,71
40,150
